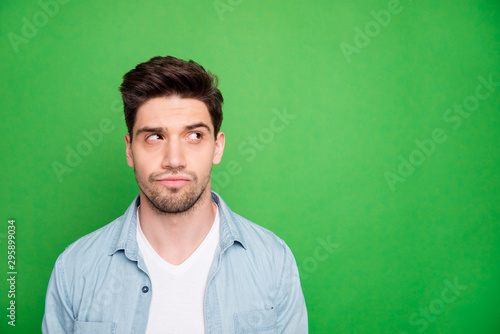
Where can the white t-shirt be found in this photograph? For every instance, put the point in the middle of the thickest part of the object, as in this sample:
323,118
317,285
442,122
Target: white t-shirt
177,304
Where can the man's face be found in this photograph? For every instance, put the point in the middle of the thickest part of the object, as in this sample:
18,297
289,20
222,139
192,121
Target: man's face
172,152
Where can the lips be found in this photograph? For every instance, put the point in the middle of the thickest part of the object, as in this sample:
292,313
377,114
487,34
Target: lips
174,181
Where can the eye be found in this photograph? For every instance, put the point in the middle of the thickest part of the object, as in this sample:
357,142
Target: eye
153,137
195,136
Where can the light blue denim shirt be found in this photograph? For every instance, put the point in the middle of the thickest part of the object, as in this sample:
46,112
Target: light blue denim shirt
100,283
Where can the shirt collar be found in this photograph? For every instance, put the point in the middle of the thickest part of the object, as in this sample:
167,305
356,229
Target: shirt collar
125,239
230,229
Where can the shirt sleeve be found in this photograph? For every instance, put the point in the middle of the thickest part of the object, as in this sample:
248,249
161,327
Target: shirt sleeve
58,317
291,308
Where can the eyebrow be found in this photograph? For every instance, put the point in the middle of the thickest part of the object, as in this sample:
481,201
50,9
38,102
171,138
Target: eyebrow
148,129
199,125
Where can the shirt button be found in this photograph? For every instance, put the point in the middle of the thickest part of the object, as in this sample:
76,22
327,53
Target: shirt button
145,289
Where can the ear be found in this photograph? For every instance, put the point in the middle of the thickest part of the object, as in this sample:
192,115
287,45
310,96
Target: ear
219,148
130,157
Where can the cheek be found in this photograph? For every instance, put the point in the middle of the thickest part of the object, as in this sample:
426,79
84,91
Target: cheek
201,162
144,161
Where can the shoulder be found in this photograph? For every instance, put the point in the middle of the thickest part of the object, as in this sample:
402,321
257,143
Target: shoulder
262,246
249,234
255,235
91,246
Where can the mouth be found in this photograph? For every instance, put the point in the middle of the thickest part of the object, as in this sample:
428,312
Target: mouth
174,181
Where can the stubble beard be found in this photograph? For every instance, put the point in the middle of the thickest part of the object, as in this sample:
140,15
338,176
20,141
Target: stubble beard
167,200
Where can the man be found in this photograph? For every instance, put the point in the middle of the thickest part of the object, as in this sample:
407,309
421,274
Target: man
179,260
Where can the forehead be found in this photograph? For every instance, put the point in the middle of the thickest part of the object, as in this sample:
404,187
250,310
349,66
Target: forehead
172,112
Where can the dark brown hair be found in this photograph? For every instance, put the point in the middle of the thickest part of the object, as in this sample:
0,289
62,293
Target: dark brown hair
169,76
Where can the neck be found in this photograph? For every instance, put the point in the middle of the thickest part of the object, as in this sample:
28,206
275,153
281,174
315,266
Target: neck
176,236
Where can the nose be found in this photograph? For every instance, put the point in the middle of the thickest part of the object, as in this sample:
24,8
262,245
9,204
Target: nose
173,155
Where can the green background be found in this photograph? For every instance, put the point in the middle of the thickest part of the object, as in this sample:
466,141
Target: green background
321,179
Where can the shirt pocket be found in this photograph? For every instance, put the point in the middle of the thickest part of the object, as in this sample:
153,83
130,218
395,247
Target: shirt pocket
262,321
82,327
